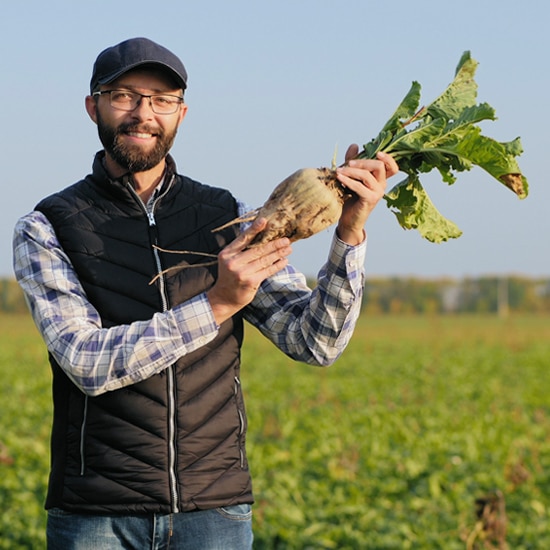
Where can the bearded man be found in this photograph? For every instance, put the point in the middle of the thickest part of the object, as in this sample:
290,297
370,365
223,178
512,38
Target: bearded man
149,426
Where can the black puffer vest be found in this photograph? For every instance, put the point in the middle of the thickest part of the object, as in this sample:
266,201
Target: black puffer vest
174,442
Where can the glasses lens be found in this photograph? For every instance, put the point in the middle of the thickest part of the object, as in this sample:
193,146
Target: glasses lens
123,100
164,104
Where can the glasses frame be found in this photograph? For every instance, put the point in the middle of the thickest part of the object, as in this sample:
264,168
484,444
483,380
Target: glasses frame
150,97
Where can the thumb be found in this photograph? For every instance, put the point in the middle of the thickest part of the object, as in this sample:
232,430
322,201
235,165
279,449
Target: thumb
352,152
246,237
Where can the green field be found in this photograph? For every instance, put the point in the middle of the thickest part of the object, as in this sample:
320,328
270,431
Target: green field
387,449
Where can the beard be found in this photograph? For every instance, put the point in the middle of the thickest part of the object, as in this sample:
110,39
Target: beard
132,157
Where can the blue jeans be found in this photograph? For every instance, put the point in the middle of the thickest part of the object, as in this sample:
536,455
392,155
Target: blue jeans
228,528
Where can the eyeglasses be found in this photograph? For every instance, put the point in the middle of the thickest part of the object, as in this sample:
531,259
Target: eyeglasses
125,100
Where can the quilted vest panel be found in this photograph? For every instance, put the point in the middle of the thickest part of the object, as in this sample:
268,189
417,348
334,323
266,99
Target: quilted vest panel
116,453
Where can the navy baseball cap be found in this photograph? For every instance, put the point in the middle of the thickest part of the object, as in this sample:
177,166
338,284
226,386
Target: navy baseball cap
130,54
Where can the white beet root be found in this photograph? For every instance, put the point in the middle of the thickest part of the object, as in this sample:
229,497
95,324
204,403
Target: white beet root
305,203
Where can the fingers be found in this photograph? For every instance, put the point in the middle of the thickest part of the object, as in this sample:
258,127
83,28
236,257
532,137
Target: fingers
262,261
241,243
246,237
371,174
390,163
382,167
250,265
364,177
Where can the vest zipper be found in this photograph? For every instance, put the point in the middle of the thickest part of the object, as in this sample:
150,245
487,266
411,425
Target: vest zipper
241,422
149,210
82,436
172,438
170,376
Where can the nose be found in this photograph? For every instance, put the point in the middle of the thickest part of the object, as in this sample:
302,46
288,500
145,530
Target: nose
143,109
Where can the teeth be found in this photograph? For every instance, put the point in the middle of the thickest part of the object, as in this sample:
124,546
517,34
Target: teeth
140,135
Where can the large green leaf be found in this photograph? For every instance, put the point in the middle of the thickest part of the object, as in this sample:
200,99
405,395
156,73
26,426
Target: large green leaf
460,94
498,159
443,136
414,210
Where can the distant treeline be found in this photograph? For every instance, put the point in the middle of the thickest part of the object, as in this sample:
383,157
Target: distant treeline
491,294
502,295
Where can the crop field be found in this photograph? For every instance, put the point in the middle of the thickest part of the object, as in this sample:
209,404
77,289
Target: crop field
428,433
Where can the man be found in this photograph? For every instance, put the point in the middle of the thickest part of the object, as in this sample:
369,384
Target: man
148,436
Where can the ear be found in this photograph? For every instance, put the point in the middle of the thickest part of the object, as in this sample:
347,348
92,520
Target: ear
183,112
91,107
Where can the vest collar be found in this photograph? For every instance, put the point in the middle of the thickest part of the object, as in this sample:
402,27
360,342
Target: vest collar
102,177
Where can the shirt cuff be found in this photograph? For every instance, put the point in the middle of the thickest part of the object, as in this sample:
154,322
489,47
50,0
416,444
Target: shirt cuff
196,322
352,256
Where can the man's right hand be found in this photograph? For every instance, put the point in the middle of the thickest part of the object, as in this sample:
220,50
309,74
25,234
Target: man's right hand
241,270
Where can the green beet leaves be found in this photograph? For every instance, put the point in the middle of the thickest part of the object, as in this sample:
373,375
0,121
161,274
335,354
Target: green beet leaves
443,136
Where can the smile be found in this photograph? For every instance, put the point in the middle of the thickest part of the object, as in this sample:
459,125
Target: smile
140,135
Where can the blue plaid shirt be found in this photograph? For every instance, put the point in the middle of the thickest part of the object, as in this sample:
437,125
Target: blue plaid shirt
311,326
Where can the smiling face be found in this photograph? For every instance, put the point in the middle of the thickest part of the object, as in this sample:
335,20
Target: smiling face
139,140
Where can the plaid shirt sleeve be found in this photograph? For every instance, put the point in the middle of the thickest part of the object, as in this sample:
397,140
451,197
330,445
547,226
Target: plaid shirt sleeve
97,359
313,326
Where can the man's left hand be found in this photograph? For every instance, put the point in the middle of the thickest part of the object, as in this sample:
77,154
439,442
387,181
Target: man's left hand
366,178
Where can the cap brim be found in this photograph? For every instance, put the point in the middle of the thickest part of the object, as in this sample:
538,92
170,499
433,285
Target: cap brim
175,75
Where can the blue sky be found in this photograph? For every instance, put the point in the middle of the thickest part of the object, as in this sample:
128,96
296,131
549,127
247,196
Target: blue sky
277,86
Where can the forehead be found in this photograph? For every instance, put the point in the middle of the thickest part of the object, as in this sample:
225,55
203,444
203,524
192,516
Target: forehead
146,78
